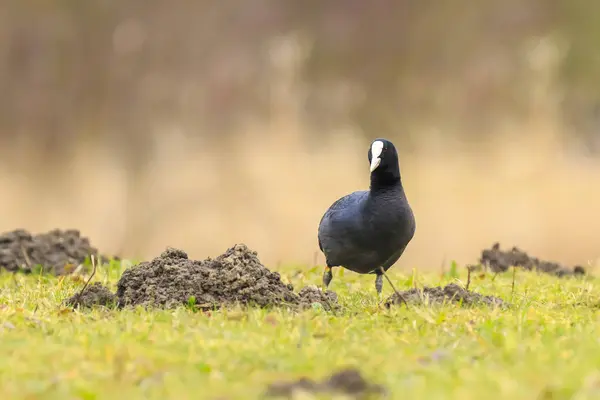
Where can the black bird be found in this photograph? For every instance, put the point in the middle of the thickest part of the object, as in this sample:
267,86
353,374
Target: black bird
367,231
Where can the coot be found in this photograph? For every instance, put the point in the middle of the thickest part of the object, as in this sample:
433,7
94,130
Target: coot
367,231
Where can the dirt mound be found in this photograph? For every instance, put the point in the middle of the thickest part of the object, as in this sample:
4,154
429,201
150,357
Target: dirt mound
93,295
235,277
312,294
500,261
348,382
57,251
438,295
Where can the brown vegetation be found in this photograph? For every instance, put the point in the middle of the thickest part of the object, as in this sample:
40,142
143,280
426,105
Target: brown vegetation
147,125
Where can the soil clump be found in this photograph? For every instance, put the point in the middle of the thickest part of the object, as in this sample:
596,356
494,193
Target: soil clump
498,260
347,382
451,293
312,294
235,277
57,252
93,295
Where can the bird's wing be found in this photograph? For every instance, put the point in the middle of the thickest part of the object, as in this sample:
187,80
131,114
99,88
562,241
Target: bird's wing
345,208
350,202
343,218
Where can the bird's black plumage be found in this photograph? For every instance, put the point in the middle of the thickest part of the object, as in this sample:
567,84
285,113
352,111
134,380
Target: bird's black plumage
367,231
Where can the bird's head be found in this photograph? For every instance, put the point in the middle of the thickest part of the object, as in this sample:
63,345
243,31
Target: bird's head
383,155
383,158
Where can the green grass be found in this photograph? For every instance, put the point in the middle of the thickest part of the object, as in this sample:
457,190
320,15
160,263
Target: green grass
546,346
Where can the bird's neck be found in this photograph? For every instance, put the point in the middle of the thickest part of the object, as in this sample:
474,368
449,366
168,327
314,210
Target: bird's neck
385,180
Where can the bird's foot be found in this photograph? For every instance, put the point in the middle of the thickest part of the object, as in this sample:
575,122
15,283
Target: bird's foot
379,281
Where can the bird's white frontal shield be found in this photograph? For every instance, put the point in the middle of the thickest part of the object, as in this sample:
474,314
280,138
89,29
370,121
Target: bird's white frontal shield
376,149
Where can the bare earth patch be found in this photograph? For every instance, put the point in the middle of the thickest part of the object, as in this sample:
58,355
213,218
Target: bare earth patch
347,382
95,294
498,260
451,293
235,277
58,251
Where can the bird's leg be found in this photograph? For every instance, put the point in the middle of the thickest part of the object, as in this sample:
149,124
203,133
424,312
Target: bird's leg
327,277
392,285
379,283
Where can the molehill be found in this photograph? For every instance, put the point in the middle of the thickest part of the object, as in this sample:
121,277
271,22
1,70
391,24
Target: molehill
95,294
235,277
500,261
57,252
451,293
348,382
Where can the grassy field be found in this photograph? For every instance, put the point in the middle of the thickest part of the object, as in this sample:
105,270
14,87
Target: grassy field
546,346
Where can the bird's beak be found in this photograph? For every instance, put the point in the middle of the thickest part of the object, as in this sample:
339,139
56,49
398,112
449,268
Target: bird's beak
375,161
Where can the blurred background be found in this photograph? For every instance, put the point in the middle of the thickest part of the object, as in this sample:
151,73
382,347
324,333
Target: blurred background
201,124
